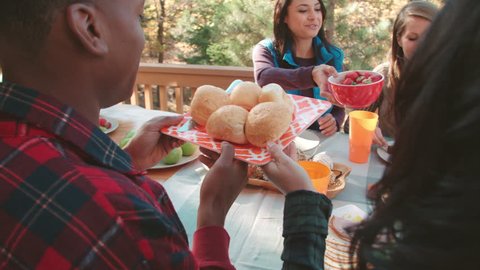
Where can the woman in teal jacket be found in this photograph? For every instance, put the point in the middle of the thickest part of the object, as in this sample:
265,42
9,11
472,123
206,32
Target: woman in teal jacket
300,58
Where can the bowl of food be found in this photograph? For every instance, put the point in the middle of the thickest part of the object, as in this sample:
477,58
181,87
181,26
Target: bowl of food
356,89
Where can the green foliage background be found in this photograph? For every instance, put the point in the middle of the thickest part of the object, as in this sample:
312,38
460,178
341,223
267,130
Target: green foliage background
216,32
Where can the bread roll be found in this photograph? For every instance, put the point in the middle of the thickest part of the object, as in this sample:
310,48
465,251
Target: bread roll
274,93
267,122
245,95
206,100
228,123
271,93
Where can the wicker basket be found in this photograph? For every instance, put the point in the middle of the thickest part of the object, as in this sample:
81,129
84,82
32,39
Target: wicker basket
337,184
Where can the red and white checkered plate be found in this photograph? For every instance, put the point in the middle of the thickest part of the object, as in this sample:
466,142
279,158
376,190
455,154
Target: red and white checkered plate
307,110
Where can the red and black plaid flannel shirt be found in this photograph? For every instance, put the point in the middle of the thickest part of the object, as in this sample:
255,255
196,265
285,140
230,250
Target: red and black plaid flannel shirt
70,197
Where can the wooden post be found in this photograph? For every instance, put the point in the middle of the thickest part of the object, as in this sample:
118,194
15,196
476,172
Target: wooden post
134,96
163,97
179,99
148,96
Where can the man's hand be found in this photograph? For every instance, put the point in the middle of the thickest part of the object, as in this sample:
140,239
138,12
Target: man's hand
222,184
149,145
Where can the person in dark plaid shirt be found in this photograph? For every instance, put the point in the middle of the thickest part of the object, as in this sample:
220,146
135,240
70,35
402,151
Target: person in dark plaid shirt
69,196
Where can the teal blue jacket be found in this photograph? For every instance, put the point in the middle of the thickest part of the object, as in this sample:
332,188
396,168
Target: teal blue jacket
264,56
332,56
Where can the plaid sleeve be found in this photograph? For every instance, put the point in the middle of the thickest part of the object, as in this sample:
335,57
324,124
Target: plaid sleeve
57,214
210,247
305,228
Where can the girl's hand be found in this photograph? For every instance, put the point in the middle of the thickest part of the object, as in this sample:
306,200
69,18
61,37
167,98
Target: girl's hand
328,125
291,151
320,76
379,139
285,173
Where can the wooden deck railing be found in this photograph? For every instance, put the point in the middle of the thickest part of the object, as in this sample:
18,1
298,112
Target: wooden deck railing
157,83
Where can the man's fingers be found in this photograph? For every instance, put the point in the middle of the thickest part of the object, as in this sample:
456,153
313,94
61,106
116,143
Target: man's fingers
209,157
206,160
172,143
228,153
176,142
159,122
209,153
168,143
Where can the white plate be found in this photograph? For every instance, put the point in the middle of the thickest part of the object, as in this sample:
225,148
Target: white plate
307,140
383,154
350,212
113,121
183,160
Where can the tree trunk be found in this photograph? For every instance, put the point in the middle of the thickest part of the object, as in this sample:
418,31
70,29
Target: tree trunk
330,21
160,29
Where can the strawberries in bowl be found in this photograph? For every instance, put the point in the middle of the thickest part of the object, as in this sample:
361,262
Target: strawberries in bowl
356,89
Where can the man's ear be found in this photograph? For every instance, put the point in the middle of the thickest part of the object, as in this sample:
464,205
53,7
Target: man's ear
85,25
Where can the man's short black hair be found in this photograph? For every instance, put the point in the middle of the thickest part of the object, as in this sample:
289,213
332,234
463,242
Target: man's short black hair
26,23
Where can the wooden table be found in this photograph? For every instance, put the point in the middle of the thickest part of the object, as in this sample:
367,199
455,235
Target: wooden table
255,220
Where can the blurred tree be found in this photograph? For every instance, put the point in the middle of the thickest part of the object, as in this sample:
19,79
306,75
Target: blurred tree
363,29
223,32
158,23
160,8
330,20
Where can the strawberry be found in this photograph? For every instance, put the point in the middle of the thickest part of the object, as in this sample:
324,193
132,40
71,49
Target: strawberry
347,81
351,75
102,121
376,78
362,73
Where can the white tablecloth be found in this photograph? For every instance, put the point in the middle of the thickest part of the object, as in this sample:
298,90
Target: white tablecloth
255,220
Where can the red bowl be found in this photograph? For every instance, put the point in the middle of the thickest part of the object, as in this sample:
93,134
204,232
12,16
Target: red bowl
356,96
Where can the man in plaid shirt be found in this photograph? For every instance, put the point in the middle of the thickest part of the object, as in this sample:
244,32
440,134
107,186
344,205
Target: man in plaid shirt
69,196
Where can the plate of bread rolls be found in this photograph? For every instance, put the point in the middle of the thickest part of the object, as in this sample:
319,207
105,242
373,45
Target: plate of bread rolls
248,116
